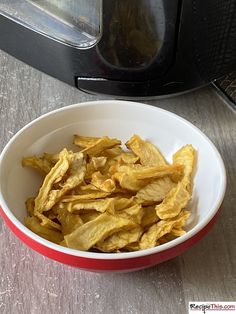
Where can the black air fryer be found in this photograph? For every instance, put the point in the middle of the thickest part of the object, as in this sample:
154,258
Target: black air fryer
123,47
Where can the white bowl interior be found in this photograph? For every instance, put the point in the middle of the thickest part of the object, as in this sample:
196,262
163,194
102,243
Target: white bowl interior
54,131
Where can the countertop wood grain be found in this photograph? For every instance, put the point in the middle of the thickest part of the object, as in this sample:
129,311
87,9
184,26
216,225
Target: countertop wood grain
31,283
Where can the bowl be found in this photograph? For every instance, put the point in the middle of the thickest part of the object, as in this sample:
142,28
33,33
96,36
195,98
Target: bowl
121,119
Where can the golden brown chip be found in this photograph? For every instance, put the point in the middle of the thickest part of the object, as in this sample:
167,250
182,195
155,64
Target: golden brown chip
155,232
148,154
69,222
149,216
48,196
186,156
102,182
182,218
55,174
129,182
90,195
86,236
132,247
100,205
128,158
134,213
174,202
147,172
177,232
33,223
63,243
52,158
95,164
88,216
84,189
85,141
102,144
119,240
113,152
47,222
155,191
123,202
37,163
30,206
50,214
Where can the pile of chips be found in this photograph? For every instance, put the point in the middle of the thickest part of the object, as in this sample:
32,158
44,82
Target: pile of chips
103,198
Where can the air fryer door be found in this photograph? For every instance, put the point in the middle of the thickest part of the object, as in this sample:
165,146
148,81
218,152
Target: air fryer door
138,45
75,23
116,47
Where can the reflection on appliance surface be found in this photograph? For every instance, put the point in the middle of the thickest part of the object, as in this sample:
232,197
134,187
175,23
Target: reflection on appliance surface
135,32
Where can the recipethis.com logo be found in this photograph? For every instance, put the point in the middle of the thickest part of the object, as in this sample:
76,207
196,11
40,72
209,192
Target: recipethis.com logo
211,307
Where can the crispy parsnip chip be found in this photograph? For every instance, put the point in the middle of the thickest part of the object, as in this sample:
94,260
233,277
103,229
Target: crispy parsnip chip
127,158
119,239
92,195
38,163
155,191
30,206
102,144
123,202
149,216
33,223
69,222
100,205
85,141
47,222
174,202
113,152
52,158
147,172
88,216
134,213
55,175
86,236
95,164
129,182
155,232
48,196
186,157
148,153
102,182
132,247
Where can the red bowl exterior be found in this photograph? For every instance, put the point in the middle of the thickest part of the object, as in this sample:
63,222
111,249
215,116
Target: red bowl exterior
108,265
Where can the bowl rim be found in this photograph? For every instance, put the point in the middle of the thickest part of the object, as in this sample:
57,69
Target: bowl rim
122,255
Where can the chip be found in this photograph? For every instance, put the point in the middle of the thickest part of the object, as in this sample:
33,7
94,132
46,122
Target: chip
120,239
100,145
174,202
109,199
100,205
148,154
103,182
85,141
38,163
149,216
68,162
162,227
33,223
155,191
69,221
86,236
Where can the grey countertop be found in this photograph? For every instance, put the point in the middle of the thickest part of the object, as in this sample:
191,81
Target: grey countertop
32,283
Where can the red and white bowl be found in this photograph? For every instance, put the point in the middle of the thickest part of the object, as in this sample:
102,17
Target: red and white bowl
53,131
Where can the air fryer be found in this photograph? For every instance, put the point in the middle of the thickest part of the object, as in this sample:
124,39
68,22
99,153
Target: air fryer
123,47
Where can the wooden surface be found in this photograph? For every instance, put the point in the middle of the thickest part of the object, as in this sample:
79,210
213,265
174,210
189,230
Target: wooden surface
31,283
